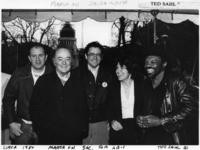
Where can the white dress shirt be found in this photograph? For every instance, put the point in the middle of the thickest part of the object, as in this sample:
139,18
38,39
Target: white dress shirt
94,71
63,78
36,75
127,101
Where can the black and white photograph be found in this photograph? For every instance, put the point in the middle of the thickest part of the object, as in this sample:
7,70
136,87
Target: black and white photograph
94,77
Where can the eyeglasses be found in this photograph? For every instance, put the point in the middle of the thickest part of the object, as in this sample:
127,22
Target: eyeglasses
93,54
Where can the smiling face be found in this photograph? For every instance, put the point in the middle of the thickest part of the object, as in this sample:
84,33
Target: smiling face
62,61
154,65
93,57
122,73
37,58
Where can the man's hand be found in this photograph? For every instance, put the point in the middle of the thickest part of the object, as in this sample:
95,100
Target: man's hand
140,121
15,129
116,125
152,121
148,121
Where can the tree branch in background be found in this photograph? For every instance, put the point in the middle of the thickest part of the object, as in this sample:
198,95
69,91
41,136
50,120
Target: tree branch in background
45,30
9,33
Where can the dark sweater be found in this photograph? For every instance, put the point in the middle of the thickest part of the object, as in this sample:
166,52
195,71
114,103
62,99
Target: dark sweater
55,107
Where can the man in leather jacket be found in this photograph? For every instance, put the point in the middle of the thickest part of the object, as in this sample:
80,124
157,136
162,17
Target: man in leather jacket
19,89
168,106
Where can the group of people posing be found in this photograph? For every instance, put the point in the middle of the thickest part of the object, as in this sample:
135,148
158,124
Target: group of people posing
90,105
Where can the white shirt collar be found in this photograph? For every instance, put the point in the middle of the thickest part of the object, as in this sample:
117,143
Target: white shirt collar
127,101
94,71
65,77
36,75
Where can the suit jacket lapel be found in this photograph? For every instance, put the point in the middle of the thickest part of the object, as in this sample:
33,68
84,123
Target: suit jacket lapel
136,96
29,76
137,93
99,75
117,99
86,74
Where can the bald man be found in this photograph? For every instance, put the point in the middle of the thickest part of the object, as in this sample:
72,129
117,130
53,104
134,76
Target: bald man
58,105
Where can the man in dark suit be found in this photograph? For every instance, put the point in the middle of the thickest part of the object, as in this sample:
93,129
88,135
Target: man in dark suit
58,106
19,89
96,79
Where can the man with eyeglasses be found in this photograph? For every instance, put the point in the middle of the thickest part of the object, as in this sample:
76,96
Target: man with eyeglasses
58,105
96,79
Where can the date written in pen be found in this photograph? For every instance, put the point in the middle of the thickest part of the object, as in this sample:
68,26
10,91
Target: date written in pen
172,147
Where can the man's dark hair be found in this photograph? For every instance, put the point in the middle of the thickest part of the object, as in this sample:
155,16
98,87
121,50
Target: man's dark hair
94,44
37,46
127,61
159,51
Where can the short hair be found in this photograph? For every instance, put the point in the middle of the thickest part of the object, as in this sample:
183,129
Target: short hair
37,46
94,44
157,50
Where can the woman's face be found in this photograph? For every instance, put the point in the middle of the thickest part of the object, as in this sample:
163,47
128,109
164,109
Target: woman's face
122,72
